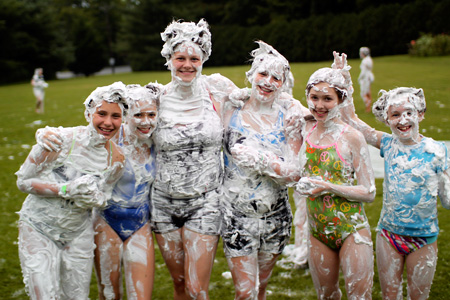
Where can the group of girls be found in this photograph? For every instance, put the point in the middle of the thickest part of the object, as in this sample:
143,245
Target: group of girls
97,192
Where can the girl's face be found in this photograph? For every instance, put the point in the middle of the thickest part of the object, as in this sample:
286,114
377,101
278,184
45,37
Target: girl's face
322,101
187,62
143,121
266,85
107,119
403,119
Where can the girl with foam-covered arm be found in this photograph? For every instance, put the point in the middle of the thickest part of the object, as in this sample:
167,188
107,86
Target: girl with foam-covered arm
260,159
123,231
416,173
337,179
56,236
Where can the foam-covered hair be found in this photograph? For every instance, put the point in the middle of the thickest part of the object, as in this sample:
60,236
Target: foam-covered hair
414,96
273,60
334,77
179,32
148,93
114,93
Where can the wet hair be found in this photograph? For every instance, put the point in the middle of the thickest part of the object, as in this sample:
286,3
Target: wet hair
179,32
414,96
114,93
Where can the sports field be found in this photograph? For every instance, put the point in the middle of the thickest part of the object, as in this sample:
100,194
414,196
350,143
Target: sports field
64,107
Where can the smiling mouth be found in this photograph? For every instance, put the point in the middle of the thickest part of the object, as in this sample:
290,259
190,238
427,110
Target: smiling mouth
144,130
106,131
265,90
404,128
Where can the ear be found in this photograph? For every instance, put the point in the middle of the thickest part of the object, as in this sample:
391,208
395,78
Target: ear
421,116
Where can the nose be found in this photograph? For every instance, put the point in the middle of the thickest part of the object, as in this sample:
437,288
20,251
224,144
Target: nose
107,121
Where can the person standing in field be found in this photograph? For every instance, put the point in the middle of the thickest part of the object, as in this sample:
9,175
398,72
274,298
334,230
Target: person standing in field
366,77
416,172
39,86
187,188
56,235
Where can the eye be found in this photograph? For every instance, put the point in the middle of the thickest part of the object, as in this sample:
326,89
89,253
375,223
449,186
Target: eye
117,116
138,115
263,74
152,114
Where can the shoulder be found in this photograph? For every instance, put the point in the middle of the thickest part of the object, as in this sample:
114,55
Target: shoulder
354,137
439,149
117,153
217,81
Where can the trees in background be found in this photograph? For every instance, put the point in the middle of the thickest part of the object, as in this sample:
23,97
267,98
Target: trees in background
81,35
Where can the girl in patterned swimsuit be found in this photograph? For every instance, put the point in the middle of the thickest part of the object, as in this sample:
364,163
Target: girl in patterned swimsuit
336,178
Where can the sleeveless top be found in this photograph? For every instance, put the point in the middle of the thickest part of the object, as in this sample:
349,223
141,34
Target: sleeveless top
331,218
188,145
245,190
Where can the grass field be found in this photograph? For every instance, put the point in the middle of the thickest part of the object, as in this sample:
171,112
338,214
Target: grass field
64,107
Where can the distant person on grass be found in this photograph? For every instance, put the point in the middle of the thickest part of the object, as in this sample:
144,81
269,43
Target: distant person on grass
39,86
56,236
416,173
366,77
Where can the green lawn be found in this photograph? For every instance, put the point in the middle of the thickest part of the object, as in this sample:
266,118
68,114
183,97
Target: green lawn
64,107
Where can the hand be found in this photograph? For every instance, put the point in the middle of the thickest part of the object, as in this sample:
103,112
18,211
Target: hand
84,191
49,140
293,125
312,186
239,96
249,157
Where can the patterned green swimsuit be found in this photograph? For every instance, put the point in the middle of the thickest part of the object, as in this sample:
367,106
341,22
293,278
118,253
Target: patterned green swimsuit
331,218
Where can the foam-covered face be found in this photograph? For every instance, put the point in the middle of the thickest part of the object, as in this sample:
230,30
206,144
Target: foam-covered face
186,62
107,119
266,85
323,101
403,119
142,121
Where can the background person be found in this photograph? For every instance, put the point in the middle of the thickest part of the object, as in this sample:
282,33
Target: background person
366,77
39,86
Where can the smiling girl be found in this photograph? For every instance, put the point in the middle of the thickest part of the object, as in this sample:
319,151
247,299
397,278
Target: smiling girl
337,178
416,172
123,231
56,236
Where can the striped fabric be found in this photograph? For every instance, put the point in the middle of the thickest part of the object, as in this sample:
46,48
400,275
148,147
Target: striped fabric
404,244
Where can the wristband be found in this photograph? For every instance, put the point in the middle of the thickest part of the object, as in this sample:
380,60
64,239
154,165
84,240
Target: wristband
63,189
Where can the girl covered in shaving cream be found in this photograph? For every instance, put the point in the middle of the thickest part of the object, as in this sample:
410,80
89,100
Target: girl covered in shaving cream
56,236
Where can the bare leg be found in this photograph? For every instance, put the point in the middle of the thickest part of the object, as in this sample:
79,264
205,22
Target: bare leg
421,266
368,101
356,257
266,262
324,266
199,250
39,105
390,269
244,270
139,262
171,247
301,231
107,260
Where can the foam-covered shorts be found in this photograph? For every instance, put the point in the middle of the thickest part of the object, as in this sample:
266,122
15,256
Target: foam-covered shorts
200,214
405,245
246,234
